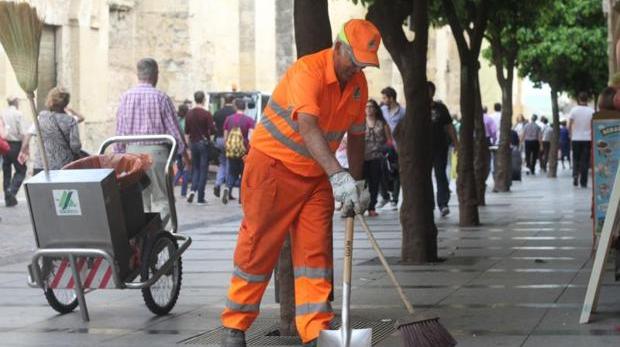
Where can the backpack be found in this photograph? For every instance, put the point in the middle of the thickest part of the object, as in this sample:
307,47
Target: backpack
235,144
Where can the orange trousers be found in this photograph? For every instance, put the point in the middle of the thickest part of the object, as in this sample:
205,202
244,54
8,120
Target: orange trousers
276,202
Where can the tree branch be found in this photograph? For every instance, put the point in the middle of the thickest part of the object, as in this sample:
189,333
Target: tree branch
480,27
388,17
457,28
497,53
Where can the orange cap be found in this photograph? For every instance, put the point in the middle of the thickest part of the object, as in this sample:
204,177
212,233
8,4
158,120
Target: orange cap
364,39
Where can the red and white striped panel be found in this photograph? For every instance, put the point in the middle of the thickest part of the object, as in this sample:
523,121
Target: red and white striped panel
98,276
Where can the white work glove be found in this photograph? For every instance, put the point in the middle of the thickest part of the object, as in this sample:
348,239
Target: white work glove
349,192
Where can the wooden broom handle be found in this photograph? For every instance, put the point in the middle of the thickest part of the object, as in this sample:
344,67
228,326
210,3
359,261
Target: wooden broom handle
39,139
386,266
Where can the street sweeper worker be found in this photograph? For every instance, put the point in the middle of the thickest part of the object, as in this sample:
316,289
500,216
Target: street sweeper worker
292,177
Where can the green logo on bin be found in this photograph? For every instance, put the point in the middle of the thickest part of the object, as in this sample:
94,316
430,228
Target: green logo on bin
67,202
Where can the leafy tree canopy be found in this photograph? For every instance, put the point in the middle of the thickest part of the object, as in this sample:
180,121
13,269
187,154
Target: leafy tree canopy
567,47
509,17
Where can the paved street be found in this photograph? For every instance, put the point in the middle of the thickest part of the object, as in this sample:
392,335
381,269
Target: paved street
517,280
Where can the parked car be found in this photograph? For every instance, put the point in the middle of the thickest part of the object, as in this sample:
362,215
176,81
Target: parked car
256,102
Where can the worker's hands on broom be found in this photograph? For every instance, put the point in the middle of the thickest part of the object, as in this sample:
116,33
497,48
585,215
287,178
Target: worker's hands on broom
352,194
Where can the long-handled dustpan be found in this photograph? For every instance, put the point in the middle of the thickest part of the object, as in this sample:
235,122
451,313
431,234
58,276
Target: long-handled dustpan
346,337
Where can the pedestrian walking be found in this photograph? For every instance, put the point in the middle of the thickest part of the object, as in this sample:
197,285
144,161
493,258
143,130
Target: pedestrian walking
519,127
145,110
496,116
564,144
59,131
490,129
219,118
377,136
547,134
442,134
393,113
292,178
182,174
580,129
199,127
532,137
237,131
15,134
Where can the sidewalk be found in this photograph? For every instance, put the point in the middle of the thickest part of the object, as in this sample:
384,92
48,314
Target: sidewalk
517,280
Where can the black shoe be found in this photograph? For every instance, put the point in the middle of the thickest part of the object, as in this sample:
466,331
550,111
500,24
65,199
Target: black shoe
444,211
190,197
225,195
575,183
216,191
233,338
10,201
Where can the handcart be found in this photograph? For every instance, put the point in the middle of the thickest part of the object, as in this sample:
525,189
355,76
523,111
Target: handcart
92,234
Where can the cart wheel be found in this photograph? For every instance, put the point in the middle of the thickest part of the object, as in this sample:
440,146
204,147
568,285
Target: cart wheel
61,300
161,297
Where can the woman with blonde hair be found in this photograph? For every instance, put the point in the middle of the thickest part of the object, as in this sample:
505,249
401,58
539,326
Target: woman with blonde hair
59,130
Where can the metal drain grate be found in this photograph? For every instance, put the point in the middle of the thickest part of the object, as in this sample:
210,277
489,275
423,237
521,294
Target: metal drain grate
214,337
258,334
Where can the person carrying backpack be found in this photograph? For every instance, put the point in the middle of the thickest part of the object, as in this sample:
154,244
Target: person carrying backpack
236,134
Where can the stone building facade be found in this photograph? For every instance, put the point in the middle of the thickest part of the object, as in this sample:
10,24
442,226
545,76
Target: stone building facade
91,47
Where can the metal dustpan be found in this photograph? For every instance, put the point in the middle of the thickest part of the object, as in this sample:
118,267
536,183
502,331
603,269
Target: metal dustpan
346,337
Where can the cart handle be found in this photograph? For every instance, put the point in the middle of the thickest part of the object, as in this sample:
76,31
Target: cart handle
173,151
35,270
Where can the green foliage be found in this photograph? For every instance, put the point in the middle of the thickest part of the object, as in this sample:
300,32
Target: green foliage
567,47
509,17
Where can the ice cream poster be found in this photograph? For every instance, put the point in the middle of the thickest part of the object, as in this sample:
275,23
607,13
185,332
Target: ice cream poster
606,151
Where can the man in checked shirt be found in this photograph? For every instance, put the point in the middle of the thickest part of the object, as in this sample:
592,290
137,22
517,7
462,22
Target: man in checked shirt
145,110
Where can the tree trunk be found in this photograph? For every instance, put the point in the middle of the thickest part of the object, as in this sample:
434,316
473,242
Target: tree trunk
312,34
553,152
466,180
469,50
503,170
313,31
482,156
416,215
419,232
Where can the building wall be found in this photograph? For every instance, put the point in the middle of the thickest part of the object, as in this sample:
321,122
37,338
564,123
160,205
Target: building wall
213,45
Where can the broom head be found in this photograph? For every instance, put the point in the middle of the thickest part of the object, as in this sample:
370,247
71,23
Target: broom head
20,35
424,330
